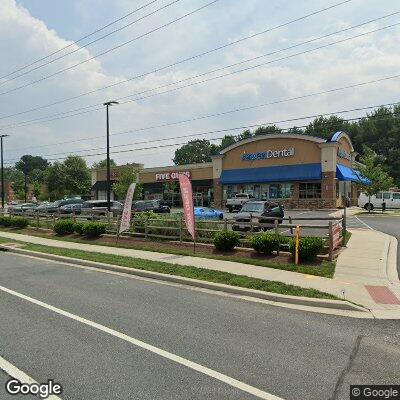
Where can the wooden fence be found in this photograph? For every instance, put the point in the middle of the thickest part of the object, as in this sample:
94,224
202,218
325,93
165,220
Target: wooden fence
172,227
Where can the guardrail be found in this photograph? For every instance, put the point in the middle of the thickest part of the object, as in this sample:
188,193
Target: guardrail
172,227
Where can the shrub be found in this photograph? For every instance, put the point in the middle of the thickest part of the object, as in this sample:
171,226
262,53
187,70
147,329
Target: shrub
309,247
93,229
265,243
18,222
226,241
5,221
78,227
64,226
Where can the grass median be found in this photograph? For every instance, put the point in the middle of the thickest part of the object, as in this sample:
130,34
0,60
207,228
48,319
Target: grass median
184,271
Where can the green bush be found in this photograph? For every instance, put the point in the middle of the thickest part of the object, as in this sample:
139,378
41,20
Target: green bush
5,221
226,241
78,227
309,247
64,226
93,229
18,222
265,243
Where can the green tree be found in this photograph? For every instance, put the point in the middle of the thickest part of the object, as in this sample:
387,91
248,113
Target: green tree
196,151
77,176
16,177
171,189
325,127
103,164
267,130
371,169
227,141
55,181
127,177
28,163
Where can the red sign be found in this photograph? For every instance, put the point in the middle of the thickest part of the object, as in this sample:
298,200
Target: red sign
187,201
171,176
127,212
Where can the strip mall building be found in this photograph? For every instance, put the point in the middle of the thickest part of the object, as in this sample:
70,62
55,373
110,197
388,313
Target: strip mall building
300,171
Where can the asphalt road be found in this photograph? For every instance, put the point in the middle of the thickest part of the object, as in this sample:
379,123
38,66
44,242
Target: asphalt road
291,354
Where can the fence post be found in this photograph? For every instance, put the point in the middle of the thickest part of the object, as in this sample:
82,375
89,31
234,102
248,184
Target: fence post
73,215
344,230
225,224
37,221
291,222
54,219
296,256
330,241
145,227
277,234
181,228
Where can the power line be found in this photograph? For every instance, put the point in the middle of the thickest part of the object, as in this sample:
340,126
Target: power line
78,41
218,131
111,49
239,109
97,107
183,60
93,41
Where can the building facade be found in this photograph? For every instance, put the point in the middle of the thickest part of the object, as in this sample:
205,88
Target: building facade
299,171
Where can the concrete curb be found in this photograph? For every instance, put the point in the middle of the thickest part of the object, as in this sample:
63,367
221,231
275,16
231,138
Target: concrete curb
391,262
273,297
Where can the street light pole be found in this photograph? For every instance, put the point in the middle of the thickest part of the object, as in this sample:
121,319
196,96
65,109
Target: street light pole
2,172
108,104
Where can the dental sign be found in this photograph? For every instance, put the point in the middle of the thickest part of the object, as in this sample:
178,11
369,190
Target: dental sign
268,154
343,154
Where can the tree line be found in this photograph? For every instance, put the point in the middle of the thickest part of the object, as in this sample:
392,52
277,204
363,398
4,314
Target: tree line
378,131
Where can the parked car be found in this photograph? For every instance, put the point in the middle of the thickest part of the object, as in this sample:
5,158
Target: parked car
391,199
54,207
257,211
208,213
71,209
150,205
236,202
96,208
24,208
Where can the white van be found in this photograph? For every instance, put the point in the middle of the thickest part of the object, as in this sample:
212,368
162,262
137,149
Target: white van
392,200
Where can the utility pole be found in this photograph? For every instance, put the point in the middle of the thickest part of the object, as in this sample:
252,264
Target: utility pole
2,172
108,104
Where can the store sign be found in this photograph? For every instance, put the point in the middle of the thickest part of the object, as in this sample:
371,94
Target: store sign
172,176
268,154
343,154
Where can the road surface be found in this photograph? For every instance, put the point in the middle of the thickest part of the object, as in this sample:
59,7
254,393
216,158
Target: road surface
110,336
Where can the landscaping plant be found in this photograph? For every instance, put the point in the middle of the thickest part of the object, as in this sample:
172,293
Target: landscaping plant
265,243
19,222
309,247
64,226
226,240
93,229
78,227
5,221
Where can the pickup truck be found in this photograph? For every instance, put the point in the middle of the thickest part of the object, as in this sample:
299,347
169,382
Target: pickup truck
236,202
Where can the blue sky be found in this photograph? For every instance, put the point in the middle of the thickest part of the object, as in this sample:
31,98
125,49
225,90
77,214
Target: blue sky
30,29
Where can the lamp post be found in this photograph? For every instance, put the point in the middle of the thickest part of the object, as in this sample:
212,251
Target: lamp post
108,104
2,171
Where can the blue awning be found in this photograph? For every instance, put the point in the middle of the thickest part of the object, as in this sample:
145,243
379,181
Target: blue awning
344,173
284,173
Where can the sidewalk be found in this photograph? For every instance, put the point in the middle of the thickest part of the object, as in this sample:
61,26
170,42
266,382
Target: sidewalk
362,263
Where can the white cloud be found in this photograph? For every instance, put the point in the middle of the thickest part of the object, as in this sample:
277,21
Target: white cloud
24,38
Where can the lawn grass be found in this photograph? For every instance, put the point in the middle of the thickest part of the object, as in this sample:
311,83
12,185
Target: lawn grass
325,269
184,271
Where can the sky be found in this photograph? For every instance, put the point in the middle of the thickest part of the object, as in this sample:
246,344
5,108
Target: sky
31,30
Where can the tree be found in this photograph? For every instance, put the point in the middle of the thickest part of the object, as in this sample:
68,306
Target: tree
71,177
171,189
378,178
227,141
196,151
16,177
267,130
325,127
28,163
103,164
127,177
76,176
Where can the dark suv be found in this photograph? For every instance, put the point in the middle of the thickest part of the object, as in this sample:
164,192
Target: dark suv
150,205
257,211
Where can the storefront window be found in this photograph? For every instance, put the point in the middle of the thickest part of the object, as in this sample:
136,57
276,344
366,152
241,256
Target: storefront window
280,191
309,190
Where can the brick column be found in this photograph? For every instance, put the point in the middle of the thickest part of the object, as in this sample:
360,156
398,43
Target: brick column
218,194
328,189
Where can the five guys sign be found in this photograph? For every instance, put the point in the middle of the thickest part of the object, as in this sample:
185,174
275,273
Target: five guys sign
171,176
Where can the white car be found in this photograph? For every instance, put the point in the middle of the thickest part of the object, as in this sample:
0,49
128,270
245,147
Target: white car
391,199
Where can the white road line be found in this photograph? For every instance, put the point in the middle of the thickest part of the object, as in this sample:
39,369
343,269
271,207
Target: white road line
21,376
163,353
372,229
